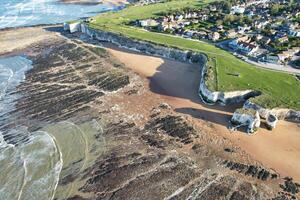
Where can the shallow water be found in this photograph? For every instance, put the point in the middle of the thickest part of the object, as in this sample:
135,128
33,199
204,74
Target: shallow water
30,163
14,13
30,168
33,163
12,73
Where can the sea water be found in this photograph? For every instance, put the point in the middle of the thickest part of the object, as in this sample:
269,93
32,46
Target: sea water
15,13
30,163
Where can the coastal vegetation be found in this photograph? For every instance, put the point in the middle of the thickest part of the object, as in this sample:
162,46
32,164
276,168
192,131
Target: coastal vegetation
278,89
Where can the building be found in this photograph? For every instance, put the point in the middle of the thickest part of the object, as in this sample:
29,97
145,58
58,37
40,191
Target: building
295,33
148,23
244,47
288,54
231,33
243,29
237,10
214,36
265,40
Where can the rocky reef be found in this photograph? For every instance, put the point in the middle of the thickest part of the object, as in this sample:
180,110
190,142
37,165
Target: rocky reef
135,165
66,77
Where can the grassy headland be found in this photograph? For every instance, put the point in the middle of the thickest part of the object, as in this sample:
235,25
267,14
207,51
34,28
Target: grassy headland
278,89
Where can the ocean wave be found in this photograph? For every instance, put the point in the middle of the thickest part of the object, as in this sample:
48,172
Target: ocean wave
31,169
33,12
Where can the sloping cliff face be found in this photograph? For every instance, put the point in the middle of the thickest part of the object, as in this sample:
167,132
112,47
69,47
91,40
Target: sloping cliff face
145,47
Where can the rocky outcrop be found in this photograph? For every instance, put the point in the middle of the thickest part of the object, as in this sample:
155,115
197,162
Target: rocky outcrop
66,77
278,113
72,27
290,186
251,170
271,121
174,126
246,117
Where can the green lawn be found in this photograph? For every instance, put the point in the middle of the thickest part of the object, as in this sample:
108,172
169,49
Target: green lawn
279,89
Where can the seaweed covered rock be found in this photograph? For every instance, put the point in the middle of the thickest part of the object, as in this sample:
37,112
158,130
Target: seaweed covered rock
174,126
290,186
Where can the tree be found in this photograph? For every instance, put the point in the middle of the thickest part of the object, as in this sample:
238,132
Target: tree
275,9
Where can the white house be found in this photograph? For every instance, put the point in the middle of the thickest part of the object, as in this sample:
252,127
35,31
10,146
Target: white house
244,47
148,22
237,10
295,33
243,29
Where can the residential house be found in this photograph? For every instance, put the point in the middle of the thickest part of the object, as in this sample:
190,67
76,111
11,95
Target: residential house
288,54
237,10
295,33
244,47
243,29
265,40
260,24
231,33
214,36
283,56
148,23
283,39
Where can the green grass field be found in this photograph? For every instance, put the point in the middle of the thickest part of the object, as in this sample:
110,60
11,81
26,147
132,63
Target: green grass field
279,89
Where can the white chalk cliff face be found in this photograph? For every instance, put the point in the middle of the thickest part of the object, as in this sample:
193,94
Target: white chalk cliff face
243,118
280,113
212,97
206,95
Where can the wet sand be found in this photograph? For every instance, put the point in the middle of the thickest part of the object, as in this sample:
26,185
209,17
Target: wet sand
177,83
14,39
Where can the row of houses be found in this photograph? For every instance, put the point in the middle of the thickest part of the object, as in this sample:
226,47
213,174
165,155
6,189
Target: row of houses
243,45
281,57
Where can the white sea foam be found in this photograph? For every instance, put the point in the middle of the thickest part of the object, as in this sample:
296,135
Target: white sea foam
30,163
32,12
12,73
30,170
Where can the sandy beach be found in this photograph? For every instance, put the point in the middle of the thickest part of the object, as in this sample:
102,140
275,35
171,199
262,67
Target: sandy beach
177,83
